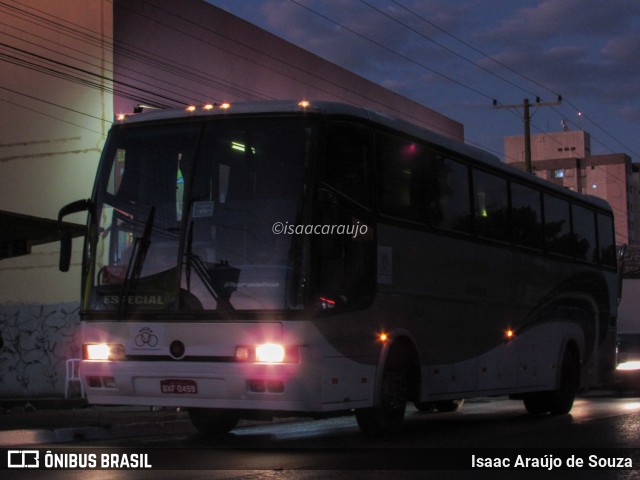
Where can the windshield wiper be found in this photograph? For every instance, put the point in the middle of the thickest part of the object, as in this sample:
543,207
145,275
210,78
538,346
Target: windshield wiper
138,256
222,301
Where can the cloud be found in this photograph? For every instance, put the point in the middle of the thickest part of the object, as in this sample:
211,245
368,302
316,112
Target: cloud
632,114
590,53
623,49
552,18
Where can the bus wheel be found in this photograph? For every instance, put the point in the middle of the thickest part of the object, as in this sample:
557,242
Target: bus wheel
210,421
387,417
560,401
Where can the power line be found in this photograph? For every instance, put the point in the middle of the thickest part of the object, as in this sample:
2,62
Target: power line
395,52
141,55
527,125
75,31
477,50
515,72
280,60
441,45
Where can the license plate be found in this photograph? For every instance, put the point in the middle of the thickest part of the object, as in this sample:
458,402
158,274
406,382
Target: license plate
173,386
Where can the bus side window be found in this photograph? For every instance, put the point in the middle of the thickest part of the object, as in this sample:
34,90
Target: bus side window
526,216
491,205
557,225
400,164
584,234
448,197
344,257
606,241
345,166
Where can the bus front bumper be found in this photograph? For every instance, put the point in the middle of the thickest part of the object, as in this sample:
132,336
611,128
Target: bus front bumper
225,385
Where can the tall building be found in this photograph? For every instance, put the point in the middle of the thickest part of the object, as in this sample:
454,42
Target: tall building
564,158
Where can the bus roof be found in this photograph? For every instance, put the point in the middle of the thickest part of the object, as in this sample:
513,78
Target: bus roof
336,108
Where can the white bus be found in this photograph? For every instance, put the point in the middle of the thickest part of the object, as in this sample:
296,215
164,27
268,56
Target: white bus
283,258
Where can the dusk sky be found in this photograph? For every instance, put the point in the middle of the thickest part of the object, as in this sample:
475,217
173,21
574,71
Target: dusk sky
456,56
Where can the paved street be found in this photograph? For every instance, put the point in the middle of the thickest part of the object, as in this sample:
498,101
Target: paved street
598,428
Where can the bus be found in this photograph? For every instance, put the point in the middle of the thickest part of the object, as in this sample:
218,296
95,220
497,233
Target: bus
277,258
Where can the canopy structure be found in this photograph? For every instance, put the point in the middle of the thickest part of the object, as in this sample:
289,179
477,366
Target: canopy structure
18,233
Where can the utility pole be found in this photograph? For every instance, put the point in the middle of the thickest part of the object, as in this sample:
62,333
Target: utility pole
527,124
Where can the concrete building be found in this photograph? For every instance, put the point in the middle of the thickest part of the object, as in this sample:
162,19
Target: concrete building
169,53
564,158
57,104
65,71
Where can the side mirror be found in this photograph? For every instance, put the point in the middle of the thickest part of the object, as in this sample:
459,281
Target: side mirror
65,250
65,234
622,251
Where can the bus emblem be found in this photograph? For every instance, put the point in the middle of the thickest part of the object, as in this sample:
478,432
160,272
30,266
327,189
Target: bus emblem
146,337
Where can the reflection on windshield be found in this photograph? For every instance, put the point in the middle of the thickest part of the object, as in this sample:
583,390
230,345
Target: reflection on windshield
217,189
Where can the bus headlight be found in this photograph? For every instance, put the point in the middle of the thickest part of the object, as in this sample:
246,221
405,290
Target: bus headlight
267,353
270,353
104,351
627,366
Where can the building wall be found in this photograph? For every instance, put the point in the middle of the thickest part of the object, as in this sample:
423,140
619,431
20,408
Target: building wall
57,105
172,53
569,144
52,127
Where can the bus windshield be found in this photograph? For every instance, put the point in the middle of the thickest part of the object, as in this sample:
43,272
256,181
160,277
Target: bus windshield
185,213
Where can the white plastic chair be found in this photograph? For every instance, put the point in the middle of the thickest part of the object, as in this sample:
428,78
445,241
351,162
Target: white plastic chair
73,375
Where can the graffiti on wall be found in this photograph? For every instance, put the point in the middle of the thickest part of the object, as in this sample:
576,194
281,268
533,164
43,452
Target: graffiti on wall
35,342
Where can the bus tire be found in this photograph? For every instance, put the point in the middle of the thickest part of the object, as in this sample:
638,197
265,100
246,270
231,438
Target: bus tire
210,422
571,370
387,417
559,401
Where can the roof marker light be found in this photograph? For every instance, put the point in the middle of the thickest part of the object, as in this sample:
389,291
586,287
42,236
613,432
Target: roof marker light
225,106
191,108
208,106
304,104
121,116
